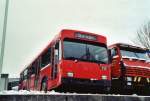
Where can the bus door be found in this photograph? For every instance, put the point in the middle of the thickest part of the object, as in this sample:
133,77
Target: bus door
31,78
37,70
54,61
115,62
28,79
25,79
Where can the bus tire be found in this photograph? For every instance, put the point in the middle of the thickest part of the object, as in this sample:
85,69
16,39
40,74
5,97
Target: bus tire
107,90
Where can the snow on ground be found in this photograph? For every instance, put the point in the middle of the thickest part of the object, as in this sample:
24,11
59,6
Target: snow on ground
25,92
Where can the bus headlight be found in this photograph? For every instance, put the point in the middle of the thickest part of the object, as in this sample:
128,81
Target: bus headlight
129,83
70,74
104,77
148,80
103,68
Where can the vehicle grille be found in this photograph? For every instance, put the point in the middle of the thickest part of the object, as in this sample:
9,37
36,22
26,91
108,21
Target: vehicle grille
138,71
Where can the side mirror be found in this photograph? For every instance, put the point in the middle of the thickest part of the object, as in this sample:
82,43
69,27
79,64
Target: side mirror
56,52
56,55
115,56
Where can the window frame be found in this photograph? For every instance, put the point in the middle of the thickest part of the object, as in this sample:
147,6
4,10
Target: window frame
114,52
43,61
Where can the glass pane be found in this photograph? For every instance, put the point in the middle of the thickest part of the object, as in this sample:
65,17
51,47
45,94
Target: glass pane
85,51
142,54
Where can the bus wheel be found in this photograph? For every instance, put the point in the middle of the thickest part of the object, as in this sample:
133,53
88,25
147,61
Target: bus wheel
107,90
44,86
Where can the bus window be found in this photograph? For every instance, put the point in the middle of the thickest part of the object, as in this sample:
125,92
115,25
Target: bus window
46,58
25,73
113,52
33,68
21,77
57,52
55,60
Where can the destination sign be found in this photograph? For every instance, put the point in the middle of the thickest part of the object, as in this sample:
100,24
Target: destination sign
85,36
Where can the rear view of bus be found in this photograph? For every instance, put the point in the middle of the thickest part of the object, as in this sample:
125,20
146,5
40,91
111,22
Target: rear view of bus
85,62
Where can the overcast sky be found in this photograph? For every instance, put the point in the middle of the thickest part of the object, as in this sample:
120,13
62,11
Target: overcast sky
33,23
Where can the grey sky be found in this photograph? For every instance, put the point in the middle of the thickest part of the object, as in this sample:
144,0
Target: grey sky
33,23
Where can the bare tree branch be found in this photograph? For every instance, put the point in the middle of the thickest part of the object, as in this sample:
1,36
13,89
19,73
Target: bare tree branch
143,36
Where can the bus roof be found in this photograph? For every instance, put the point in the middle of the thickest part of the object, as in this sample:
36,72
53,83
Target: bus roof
126,45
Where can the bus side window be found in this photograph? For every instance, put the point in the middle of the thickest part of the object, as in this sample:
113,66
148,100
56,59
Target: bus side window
46,58
28,72
38,65
113,52
57,52
33,68
21,77
25,74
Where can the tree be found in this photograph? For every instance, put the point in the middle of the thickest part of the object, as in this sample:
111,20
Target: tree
143,36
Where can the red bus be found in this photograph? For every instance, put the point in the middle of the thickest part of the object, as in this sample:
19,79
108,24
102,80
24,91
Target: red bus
73,60
130,69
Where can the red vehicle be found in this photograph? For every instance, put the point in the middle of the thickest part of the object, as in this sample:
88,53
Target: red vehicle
74,59
130,69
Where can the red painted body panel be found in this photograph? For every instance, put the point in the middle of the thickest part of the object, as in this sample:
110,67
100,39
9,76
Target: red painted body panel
31,82
82,70
115,67
24,84
70,34
134,67
137,68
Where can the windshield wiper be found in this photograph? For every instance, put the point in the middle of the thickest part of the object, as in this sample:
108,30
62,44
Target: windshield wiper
101,62
88,54
98,61
70,58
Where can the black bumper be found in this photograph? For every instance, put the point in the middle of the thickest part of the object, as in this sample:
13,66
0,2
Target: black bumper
86,82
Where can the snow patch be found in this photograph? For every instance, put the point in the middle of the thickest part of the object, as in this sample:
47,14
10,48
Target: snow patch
127,57
25,92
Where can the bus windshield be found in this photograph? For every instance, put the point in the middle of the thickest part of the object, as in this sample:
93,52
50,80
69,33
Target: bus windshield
84,51
135,53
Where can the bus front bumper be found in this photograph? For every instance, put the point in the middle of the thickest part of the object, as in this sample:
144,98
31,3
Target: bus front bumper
86,82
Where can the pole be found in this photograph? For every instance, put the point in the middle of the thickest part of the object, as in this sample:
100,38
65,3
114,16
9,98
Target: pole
4,36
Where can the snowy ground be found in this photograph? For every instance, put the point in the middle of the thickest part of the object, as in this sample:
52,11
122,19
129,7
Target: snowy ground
25,92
